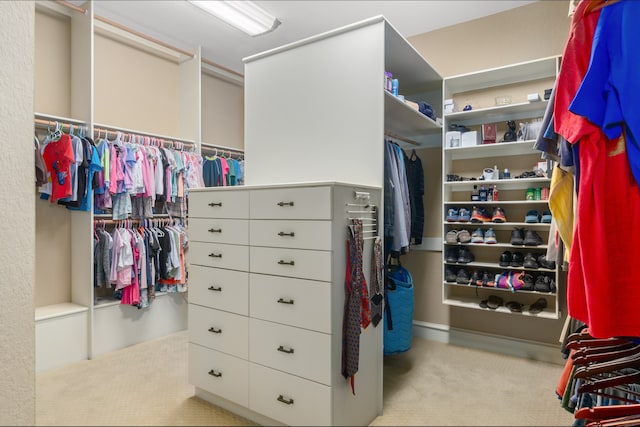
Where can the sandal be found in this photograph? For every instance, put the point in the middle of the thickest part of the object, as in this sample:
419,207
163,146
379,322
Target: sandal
538,306
483,304
494,302
514,307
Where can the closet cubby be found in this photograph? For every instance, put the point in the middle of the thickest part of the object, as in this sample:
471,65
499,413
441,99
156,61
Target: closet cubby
92,72
496,96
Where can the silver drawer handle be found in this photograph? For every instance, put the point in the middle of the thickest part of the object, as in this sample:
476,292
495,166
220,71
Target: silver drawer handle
285,349
282,262
282,399
282,234
212,204
215,230
215,330
285,301
215,373
285,204
212,255
213,288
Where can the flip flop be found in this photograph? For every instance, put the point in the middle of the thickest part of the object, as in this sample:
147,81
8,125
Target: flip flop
483,303
494,302
514,307
538,306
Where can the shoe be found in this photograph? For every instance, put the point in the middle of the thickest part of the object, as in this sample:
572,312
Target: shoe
538,306
517,237
544,263
543,284
487,279
517,260
464,236
516,280
505,259
452,255
531,238
462,277
494,302
553,286
465,256
477,236
452,237
514,306
480,215
546,217
498,215
476,279
532,217
452,215
492,280
490,236
502,280
530,261
464,215
449,275
527,283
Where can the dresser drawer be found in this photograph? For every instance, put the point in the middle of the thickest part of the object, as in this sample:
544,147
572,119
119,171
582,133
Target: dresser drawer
306,264
294,350
287,398
219,373
291,203
291,234
219,204
218,288
295,302
215,230
219,330
234,257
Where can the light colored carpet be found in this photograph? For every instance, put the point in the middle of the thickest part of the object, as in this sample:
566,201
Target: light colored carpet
431,384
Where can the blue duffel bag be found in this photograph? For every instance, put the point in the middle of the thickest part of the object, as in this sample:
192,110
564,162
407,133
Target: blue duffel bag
398,311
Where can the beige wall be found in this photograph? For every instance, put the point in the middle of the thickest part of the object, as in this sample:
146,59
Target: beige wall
529,32
222,112
17,252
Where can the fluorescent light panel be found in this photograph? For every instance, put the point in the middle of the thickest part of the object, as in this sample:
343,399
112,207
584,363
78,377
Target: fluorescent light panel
244,15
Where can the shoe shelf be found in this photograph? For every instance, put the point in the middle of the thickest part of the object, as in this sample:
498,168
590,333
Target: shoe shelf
483,90
469,302
499,149
535,225
503,184
498,266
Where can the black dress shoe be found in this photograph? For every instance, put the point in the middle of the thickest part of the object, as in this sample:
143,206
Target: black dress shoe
505,259
517,237
531,238
517,259
530,261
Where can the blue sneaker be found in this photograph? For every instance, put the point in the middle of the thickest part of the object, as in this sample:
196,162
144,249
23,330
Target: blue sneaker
464,215
477,236
490,236
532,217
546,217
452,215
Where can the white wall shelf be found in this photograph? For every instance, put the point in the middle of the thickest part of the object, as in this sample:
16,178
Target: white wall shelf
491,150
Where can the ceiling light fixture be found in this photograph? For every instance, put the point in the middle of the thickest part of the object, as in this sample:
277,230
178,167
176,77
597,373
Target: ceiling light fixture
244,15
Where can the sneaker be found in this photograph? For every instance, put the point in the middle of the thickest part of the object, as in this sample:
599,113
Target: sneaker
452,237
531,238
449,275
517,236
546,217
487,279
544,263
543,284
465,256
516,280
477,236
505,259
527,283
498,215
532,217
452,215
462,277
553,286
476,278
452,255
464,236
530,261
517,260
480,215
490,236
464,215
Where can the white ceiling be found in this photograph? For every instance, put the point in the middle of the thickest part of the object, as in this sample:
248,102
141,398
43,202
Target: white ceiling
185,26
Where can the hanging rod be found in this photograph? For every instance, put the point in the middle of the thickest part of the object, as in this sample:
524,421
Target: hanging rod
115,130
48,123
72,6
401,138
221,147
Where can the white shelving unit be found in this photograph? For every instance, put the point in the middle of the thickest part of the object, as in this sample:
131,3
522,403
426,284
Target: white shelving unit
479,89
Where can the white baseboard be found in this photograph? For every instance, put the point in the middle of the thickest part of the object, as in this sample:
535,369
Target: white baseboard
488,342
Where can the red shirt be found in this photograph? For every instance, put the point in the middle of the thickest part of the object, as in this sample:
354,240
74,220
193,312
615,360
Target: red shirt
58,156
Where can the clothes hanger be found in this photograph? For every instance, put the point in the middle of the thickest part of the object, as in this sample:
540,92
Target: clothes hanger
595,342
603,383
608,366
606,356
607,412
